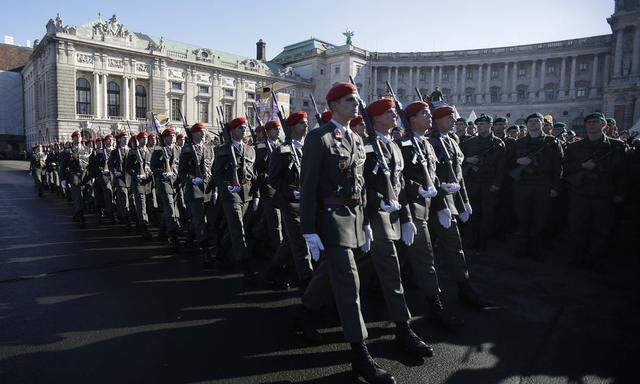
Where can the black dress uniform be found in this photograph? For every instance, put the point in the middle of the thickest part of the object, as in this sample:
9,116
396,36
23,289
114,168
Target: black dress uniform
138,167
164,165
37,168
102,176
74,171
121,181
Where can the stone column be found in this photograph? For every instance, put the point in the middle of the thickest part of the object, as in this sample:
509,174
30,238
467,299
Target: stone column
514,82
440,68
417,79
563,79
572,78
532,82
605,70
543,69
479,88
389,74
395,81
635,56
432,81
410,87
96,95
375,83
487,85
133,98
463,84
617,58
593,93
105,108
505,83
125,98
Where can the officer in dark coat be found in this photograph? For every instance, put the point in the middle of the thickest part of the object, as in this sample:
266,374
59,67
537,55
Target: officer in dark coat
37,168
73,173
164,165
120,180
138,167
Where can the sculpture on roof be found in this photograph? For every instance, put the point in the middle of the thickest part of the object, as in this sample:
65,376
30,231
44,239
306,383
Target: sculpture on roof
111,27
348,34
57,25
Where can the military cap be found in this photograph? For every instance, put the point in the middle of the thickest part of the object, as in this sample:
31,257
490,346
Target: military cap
168,131
415,107
260,129
484,119
560,125
75,134
238,121
443,111
536,115
461,120
108,137
339,90
179,136
272,124
326,116
595,115
152,135
379,107
295,118
611,121
513,128
98,139
121,134
197,127
356,121
500,120
142,135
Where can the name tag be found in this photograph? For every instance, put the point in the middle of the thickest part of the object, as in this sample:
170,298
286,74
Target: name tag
406,143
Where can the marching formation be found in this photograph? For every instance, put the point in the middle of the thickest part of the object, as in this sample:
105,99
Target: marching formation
355,201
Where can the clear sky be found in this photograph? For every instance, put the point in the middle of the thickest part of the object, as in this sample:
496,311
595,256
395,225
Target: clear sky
395,25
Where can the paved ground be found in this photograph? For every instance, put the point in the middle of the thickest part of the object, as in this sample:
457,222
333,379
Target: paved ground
100,305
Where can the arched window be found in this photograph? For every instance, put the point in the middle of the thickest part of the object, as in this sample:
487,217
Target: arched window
113,99
141,101
83,97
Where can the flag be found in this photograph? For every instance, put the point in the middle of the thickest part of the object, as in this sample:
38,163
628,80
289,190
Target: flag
472,116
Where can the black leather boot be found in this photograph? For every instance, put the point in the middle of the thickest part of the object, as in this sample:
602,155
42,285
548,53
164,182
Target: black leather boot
470,296
410,342
304,324
441,316
364,366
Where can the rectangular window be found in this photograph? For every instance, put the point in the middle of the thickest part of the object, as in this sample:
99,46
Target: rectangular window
176,86
550,94
423,76
336,70
468,99
469,76
522,73
522,94
228,111
176,108
581,92
305,103
494,75
204,111
251,115
228,92
551,69
583,67
445,76
495,97
322,71
203,89
251,96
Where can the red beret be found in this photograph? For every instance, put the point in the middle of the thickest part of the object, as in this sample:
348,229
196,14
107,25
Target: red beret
168,131
443,111
152,134
356,121
415,107
108,137
197,127
326,116
98,139
339,90
238,121
179,136
379,107
75,134
260,129
295,118
272,124
121,134
142,134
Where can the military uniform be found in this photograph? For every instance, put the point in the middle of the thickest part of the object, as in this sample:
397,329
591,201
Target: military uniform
592,195
120,182
38,168
483,179
52,167
532,186
271,213
164,165
138,167
74,171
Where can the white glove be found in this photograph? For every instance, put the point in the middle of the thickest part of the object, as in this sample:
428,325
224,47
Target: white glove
256,203
64,184
467,208
450,187
167,175
315,245
296,195
214,198
444,217
142,177
464,216
197,181
233,188
105,172
409,231
428,193
118,174
368,238
393,206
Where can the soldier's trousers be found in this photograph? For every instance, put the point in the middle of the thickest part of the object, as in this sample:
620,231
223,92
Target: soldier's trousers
140,201
484,202
590,221
122,203
107,193
55,179
98,194
340,265
38,178
421,259
76,193
273,219
531,203
451,247
294,244
234,213
169,211
200,214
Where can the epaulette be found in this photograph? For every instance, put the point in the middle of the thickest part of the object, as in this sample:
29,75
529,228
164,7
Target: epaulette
406,143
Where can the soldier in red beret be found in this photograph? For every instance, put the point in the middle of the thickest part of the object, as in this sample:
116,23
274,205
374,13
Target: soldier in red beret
138,167
37,168
357,126
99,168
236,182
194,176
180,140
284,176
333,221
73,169
326,117
120,180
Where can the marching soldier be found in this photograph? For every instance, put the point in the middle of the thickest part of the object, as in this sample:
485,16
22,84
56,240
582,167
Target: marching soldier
594,169
357,126
483,170
137,166
390,221
237,189
332,221
73,173
194,175
103,175
505,215
462,129
94,173
452,204
284,176
37,168
121,178
52,162
538,166
164,165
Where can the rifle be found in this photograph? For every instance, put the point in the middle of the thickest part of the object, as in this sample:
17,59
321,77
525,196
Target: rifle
517,172
227,138
266,139
287,132
377,150
105,166
414,142
187,131
317,113
575,179
167,166
480,156
141,170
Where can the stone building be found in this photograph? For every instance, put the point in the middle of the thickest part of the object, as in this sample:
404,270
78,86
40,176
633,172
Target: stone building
12,59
